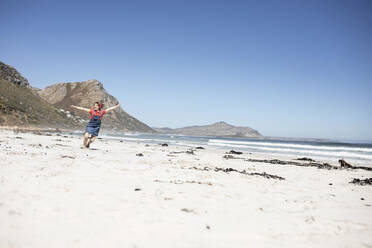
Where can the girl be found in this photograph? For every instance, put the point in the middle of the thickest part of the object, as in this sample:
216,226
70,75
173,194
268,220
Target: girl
96,114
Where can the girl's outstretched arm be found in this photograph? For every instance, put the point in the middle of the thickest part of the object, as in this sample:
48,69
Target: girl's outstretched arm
112,108
81,108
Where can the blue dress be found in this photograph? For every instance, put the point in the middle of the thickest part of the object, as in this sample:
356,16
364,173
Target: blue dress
94,125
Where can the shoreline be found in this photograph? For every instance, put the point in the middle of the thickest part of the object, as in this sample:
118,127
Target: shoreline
121,193
332,159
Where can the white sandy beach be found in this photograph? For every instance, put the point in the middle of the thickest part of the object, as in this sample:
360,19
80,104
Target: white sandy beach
54,194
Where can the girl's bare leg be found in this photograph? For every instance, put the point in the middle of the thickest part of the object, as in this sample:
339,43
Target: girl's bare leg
86,137
91,140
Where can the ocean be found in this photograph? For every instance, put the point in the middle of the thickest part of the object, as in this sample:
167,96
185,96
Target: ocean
316,149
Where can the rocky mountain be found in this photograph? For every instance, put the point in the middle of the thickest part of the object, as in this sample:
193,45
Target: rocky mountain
10,74
221,129
85,94
24,106
19,106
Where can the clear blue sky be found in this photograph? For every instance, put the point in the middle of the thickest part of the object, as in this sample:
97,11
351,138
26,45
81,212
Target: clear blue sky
285,68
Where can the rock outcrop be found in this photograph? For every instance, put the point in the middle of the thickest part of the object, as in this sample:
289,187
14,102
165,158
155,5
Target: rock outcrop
221,129
24,106
10,74
19,106
85,94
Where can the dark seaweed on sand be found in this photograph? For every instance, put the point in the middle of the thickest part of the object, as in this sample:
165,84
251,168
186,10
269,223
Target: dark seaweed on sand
362,182
227,170
343,165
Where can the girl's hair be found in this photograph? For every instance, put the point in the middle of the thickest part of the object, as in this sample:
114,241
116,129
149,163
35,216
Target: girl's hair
100,105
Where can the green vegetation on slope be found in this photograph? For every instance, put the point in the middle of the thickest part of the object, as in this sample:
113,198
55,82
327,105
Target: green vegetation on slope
20,106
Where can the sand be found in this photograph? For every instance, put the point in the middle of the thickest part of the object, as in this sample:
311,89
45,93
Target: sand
55,194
